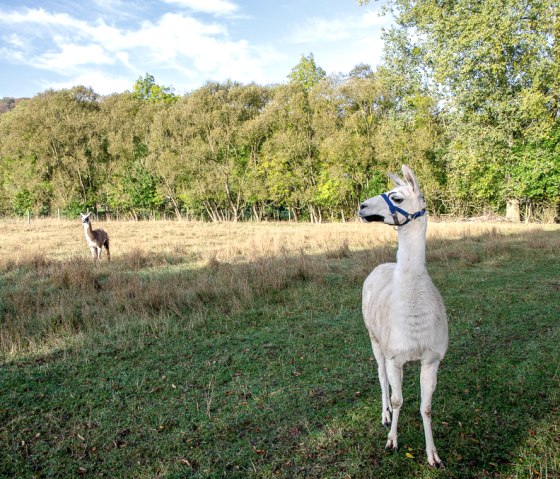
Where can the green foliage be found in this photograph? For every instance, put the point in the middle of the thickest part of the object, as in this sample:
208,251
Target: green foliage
73,208
147,89
307,73
536,171
22,202
134,189
494,68
313,147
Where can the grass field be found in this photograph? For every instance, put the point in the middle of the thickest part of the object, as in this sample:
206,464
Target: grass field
238,351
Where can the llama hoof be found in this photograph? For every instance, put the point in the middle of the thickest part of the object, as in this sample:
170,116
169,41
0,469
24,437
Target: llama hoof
391,445
386,417
435,461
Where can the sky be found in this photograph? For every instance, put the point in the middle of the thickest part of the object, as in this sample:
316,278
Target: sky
108,44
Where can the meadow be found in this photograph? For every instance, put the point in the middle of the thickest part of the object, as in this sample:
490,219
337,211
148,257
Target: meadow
231,350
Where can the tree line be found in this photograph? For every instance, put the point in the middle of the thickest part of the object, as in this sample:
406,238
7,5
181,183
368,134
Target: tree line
470,102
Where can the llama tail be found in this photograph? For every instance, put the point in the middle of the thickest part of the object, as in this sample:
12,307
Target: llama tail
106,244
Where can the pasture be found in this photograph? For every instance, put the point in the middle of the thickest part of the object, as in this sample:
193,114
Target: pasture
238,350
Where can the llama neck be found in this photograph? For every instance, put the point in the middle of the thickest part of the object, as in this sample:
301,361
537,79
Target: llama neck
411,254
88,230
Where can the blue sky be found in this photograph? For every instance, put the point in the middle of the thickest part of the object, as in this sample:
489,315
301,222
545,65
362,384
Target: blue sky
108,44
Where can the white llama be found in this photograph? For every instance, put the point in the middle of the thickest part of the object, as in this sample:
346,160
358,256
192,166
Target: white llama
96,239
403,310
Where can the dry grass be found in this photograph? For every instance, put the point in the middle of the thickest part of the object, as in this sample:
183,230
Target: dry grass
52,292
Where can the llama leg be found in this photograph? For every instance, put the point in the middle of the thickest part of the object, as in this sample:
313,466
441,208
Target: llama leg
394,374
385,409
428,381
93,252
107,248
99,253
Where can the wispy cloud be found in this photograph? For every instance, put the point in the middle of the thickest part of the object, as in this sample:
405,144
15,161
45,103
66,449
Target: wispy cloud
341,43
215,7
40,16
320,29
104,82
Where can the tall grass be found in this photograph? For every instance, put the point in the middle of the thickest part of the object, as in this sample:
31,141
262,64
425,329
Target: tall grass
52,291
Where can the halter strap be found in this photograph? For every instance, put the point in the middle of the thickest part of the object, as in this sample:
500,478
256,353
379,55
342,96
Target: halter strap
395,209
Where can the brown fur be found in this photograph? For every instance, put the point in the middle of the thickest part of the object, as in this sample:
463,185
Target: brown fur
96,239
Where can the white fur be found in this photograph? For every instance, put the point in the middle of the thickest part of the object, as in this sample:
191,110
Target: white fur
404,312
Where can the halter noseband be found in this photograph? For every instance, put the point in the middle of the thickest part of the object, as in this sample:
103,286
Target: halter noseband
395,209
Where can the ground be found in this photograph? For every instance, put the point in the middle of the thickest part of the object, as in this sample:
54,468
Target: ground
238,350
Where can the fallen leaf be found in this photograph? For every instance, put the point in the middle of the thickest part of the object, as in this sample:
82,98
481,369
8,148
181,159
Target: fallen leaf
410,456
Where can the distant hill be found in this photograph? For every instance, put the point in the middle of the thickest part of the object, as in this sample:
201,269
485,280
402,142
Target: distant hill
8,103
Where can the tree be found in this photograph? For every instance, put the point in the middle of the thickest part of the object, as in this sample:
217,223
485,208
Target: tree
307,73
494,67
125,122
147,89
202,152
56,150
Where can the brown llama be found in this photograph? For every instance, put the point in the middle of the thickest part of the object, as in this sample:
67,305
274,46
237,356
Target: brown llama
96,239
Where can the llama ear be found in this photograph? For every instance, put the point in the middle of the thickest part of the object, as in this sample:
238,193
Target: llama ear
397,180
410,178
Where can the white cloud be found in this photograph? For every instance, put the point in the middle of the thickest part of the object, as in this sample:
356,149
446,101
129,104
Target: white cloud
364,50
374,19
319,29
15,40
102,83
186,48
71,56
41,17
341,43
215,7
110,5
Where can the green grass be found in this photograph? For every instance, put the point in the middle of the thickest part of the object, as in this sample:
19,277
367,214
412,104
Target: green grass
284,384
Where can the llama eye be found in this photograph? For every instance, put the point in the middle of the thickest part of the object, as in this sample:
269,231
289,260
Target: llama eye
397,200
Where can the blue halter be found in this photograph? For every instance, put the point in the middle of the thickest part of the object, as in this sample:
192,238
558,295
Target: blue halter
395,209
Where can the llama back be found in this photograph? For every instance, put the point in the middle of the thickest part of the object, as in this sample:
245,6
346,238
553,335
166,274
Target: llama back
101,237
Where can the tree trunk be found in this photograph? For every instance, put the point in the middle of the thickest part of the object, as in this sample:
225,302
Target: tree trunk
549,213
257,213
512,210
296,214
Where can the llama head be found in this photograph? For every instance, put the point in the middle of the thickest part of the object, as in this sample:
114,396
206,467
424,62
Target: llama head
85,218
398,206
